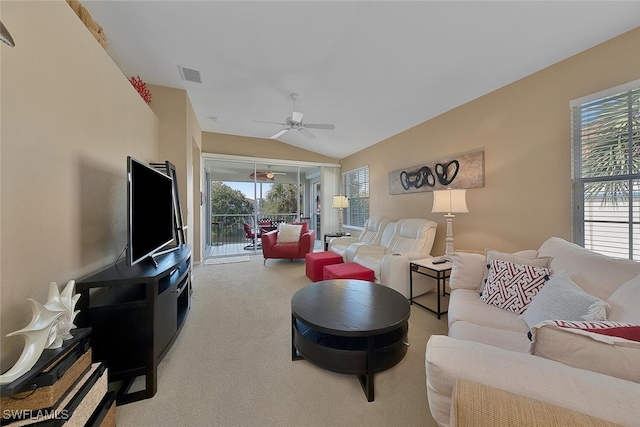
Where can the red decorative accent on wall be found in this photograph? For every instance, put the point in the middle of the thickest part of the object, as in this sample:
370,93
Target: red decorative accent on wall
141,87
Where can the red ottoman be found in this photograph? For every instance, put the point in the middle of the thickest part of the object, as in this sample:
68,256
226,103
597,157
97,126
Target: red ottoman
316,261
349,270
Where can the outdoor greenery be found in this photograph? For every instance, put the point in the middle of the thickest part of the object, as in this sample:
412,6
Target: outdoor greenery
282,198
610,132
226,200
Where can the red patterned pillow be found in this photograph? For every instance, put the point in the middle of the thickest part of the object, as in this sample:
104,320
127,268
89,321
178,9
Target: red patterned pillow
512,286
607,327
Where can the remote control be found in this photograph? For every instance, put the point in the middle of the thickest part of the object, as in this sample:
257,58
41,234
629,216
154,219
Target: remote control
440,261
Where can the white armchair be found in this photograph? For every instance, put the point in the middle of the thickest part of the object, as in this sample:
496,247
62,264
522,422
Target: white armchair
412,239
371,235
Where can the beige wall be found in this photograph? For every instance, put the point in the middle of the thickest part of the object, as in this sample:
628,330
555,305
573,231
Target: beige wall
219,143
525,133
181,139
69,119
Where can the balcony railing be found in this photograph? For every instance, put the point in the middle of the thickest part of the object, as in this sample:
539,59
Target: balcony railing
229,229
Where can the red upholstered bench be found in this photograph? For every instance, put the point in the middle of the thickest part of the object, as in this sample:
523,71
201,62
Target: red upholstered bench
316,261
348,270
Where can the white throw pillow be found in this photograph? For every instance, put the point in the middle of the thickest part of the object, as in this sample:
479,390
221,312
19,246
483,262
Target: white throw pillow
625,302
561,299
467,270
288,233
611,348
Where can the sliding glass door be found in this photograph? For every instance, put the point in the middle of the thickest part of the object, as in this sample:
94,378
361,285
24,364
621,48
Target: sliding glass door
248,199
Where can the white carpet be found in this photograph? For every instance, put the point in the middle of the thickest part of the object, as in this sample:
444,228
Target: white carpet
228,260
231,364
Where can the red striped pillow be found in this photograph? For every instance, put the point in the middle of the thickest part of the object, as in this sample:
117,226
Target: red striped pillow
612,329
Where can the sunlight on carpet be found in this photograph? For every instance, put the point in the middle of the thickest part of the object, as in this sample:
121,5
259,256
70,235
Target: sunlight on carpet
228,260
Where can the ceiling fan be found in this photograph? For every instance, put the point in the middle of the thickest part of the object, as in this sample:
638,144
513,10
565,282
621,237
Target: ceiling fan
294,122
266,175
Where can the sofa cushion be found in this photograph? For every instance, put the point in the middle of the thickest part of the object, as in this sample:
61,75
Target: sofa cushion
412,235
561,299
472,320
588,392
288,233
584,345
467,270
526,257
597,274
512,286
625,302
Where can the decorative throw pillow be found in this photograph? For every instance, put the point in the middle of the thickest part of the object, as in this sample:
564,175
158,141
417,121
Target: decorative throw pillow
611,348
526,257
626,331
624,302
512,286
288,233
466,270
561,299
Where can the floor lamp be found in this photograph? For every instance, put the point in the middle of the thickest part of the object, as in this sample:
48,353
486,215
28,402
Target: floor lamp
450,201
340,202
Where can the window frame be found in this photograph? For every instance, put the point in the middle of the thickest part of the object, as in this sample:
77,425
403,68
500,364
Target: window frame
350,211
583,176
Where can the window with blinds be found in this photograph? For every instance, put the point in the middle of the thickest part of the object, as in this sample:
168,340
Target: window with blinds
356,188
606,171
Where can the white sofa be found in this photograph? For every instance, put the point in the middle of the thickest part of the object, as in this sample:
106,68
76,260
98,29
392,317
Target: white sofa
583,371
404,240
371,235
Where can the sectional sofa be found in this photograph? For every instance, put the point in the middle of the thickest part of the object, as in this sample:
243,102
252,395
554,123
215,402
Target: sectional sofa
556,348
400,242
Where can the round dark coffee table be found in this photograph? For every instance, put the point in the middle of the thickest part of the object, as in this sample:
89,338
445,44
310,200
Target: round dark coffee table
350,327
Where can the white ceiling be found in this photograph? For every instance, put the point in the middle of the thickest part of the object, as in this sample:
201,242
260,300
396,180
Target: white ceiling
371,68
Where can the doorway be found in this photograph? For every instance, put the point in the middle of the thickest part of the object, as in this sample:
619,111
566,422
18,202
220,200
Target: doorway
248,198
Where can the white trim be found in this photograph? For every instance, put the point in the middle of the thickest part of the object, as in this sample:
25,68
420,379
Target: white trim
247,159
604,93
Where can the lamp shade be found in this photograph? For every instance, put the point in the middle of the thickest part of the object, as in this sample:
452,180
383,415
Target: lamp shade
450,201
340,202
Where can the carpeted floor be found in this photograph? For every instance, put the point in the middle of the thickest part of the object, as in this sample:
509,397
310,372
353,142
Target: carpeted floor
231,365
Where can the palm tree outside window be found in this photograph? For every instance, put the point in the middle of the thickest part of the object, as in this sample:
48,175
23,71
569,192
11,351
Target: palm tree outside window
606,171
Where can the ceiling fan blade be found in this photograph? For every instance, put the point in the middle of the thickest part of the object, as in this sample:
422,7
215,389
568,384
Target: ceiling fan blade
319,126
306,133
272,123
279,134
296,117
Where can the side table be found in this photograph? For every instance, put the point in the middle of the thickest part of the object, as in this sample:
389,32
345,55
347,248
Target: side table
332,235
440,272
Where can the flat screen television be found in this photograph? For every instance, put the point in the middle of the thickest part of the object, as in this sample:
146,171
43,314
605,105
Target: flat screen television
150,225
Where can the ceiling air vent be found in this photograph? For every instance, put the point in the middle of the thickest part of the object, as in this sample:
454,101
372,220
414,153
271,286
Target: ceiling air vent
190,74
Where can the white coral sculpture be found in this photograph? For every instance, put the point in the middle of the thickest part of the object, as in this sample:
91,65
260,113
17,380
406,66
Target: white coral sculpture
50,325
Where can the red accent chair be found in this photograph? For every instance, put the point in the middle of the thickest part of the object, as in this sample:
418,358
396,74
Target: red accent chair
293,250
252,237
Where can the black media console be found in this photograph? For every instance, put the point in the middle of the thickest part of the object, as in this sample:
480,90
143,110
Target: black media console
135,314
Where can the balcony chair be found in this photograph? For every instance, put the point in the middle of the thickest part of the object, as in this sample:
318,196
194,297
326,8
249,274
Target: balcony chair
288,242
252,237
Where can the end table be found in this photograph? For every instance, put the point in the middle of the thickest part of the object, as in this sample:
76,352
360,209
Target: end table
331,235
440,272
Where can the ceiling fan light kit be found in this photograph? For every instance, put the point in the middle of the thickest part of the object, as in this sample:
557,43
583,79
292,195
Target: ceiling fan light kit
294,122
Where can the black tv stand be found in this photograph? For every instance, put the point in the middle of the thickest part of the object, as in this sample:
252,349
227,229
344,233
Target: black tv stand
136,312
160,253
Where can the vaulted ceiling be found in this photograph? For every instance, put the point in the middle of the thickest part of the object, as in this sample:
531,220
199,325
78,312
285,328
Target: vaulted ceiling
371,68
